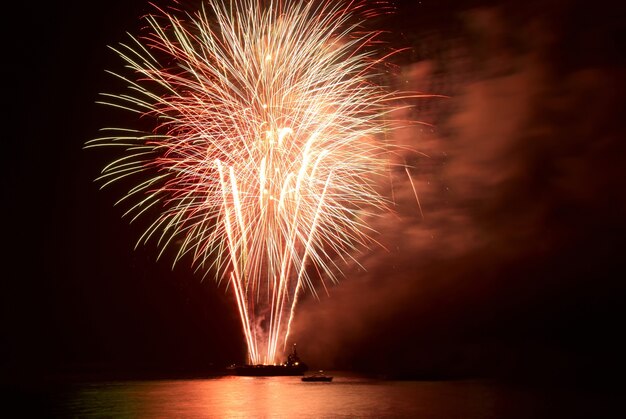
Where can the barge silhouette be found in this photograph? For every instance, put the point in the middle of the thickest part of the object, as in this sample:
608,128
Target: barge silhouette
293,366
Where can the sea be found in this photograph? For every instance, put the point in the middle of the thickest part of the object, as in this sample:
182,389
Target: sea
347,396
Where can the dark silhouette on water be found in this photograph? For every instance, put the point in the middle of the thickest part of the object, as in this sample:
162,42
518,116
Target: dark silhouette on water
318,376
293,366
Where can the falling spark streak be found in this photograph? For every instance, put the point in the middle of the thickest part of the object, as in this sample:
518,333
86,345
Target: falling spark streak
265,147
417,198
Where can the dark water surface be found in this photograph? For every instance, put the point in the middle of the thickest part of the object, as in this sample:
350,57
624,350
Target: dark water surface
289,397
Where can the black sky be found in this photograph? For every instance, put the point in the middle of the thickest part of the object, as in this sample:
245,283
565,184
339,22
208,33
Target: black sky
516,266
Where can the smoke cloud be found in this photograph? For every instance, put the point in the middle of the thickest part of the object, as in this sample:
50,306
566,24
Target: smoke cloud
513,238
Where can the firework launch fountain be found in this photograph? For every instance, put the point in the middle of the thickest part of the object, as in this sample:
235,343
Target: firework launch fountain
264,149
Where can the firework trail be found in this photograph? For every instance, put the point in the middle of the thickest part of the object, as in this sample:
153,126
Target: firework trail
264,148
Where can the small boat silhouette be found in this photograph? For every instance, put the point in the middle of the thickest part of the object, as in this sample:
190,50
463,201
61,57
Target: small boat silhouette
318,376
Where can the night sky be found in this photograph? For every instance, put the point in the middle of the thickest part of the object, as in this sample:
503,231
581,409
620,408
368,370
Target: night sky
514,270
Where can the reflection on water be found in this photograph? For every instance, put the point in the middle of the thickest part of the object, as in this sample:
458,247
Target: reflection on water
346,396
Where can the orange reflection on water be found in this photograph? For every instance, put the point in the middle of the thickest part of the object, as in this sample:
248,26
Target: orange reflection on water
290,397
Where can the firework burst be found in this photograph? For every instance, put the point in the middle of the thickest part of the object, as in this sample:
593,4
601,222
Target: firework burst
264,150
